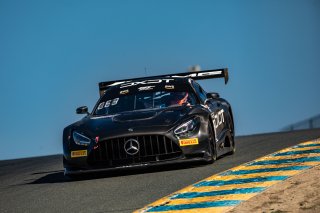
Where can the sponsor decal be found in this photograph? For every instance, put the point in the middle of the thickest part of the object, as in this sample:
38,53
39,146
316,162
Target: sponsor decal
101,105
202,74
123,92
218,118
115,101
79,153
152,81
117,83
146,88
107,103
169,86
188,142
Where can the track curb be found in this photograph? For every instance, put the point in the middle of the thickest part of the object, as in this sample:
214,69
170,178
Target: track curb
223,191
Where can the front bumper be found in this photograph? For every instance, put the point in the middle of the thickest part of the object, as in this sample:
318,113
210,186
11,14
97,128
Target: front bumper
77,171
157,149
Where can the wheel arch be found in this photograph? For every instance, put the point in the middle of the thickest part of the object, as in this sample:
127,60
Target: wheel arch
231,117
211,122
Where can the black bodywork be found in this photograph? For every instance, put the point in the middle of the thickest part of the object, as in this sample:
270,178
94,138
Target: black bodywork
198,129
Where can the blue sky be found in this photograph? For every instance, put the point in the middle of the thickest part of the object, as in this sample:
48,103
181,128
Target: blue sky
54,53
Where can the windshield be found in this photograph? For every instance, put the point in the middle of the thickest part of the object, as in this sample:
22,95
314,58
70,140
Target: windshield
141,101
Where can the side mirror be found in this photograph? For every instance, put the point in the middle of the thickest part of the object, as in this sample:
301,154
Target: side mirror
213,95
82,110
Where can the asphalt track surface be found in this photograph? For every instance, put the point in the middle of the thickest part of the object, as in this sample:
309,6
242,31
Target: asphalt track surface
38,184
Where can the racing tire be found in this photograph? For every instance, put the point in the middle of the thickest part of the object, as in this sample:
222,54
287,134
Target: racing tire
212,144
231,139
232,146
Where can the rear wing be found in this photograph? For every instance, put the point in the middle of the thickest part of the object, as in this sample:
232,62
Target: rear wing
196,75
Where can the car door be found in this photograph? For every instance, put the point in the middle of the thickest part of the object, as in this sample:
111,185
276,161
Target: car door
217,111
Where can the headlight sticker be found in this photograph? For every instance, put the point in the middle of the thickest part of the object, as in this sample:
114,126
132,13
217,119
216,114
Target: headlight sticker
80,139
188,142
188,126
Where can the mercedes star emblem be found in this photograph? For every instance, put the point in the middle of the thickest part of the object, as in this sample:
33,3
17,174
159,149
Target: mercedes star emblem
131,146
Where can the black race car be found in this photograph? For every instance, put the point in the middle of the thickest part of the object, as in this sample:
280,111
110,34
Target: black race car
150,121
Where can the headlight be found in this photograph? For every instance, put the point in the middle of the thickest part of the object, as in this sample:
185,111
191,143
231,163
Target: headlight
80,139
187,128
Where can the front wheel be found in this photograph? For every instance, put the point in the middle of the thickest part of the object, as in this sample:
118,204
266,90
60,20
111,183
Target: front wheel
231,138
212,144
232,145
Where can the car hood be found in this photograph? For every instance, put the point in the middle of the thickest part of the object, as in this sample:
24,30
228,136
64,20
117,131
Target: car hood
133,123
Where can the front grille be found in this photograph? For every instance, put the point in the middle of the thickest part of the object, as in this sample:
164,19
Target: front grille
152,148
